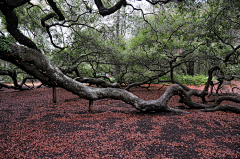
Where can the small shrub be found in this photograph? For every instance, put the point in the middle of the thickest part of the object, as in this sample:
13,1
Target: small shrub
191,80
188,79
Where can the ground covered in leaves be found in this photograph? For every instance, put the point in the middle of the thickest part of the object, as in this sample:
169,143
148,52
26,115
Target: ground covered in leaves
31,126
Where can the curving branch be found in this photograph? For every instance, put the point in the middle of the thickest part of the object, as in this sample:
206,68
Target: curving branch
29,57
43,22
54,75
56,10
56,14
154,2
139,83
12,26
47,17
231,53
51,39
104,11
71,70
13,75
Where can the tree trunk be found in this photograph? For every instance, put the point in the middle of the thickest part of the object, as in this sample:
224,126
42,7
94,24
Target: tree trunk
190,68
90,105
54,95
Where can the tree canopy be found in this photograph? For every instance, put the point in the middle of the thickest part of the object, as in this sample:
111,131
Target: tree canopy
67,43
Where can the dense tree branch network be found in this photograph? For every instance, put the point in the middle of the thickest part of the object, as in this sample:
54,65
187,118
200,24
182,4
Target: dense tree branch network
107,11
30,59
13,75
56,76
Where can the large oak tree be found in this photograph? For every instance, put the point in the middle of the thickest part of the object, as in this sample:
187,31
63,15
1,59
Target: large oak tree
30,57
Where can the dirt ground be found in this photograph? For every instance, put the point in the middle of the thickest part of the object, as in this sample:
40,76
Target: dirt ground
31,126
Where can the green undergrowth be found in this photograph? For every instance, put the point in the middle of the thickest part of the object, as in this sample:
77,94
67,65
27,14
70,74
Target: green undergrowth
196,80
192,80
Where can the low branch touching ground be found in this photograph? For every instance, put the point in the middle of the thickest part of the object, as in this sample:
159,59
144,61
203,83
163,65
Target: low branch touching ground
222,108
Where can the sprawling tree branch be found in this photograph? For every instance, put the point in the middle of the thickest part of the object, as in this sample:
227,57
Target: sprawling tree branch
12,26
154,2
104,11
55,14
23,57
222,108
55,76
30,59
231,53
13,75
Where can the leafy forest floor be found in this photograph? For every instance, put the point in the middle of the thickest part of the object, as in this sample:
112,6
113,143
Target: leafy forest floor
31,126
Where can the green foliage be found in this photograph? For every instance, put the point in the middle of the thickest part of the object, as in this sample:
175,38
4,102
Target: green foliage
98,44
4,44
131,78
191,80
188,79
231,70
6,79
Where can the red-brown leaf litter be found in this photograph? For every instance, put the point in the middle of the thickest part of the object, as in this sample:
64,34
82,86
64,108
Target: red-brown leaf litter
34,127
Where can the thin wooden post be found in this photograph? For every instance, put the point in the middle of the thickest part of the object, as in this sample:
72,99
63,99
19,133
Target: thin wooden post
54,95
90,105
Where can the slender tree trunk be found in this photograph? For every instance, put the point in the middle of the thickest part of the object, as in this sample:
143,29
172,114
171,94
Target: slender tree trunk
90,105
190,68
54,94
171,72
